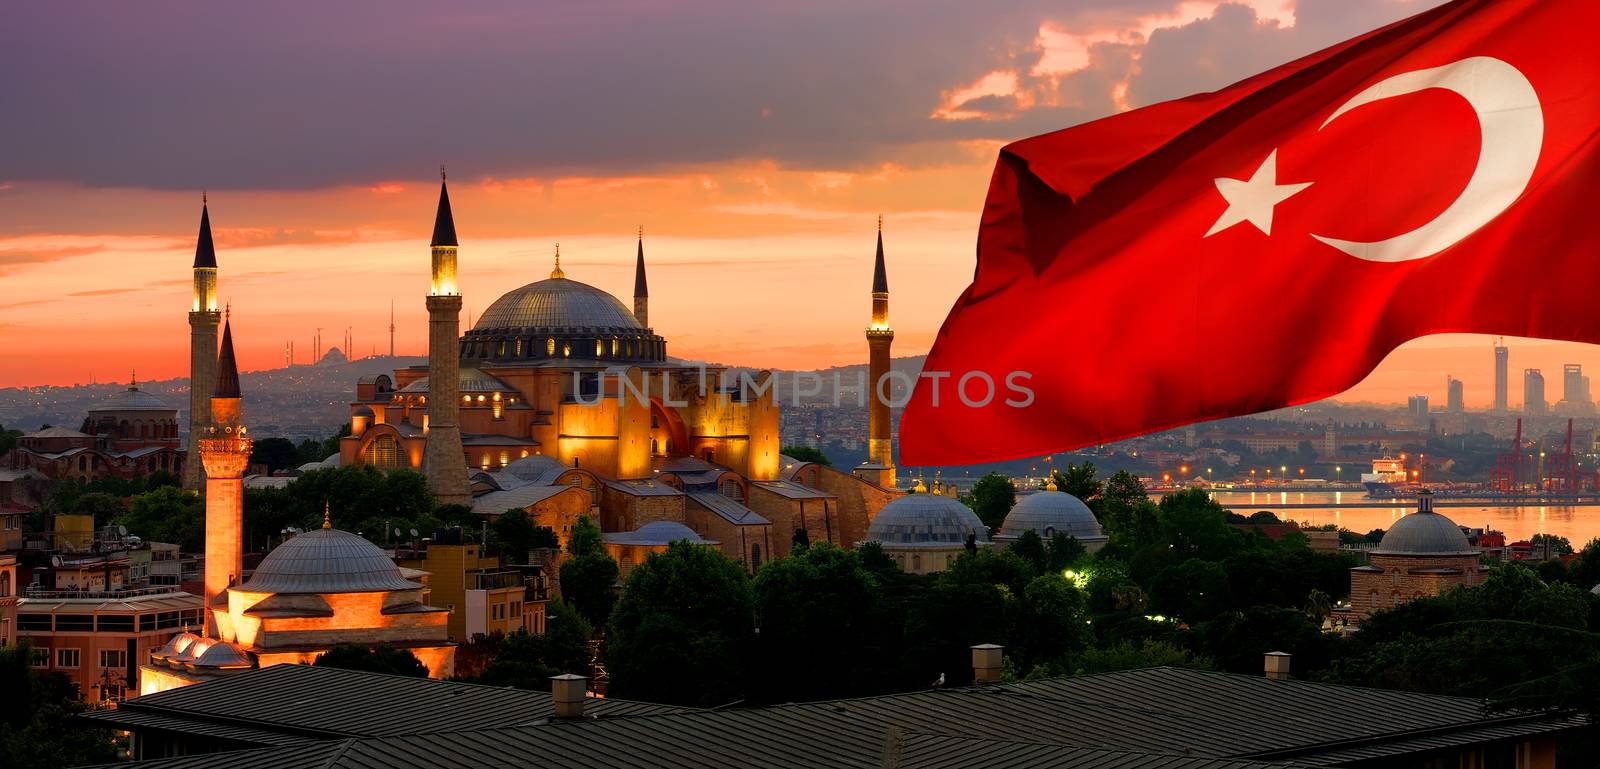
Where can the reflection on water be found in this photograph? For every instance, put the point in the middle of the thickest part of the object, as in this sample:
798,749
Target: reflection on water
1352,511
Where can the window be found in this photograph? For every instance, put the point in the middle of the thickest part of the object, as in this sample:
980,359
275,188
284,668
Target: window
516,608
113,658
755,557
916,562
114,623
383,453
68,658
41,657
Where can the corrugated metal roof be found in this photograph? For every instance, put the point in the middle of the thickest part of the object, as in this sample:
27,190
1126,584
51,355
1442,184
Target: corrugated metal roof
142,720
727,507
497,502
331,702
791,490
937,751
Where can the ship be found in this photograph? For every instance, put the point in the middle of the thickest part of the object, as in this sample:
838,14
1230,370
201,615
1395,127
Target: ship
1387,479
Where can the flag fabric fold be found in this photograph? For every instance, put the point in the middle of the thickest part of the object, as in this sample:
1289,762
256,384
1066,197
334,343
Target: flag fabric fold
1269,243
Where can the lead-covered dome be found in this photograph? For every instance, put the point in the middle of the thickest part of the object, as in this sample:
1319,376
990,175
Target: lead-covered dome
1424,533
131,399
559,319
925,520
1048,513
327,561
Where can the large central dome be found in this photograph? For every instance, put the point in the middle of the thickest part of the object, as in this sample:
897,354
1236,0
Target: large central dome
557,321
557,303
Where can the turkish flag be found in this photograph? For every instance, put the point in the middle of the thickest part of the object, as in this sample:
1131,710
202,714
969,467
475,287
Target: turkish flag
1268,244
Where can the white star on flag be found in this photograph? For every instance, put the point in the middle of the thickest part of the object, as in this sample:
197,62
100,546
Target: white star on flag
1253,201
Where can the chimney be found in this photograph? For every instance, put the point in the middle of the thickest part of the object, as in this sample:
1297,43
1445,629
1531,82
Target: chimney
567,693
986,663
1277,665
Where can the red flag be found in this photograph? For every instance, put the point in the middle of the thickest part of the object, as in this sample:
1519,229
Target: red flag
1269,243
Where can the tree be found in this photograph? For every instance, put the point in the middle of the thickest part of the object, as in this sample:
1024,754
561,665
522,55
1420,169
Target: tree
1065,550
104,507
8,439
1130,656
373,659
1029,547
1079,481
684,629
527,661
589,577
873,558
822,630
801,539
1194,524
1053,614
38,718
167,514
276,453
991,498
1558,545
806,454
516,534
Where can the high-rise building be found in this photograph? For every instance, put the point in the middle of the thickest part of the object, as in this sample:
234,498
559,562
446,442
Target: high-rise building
1575,389
880,443
1455,402
443,459
203,322
1502,356
1417,406
1533,392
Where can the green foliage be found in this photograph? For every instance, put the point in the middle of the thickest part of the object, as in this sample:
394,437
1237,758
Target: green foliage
38,724
1237,640
167,514
375,659
1513,638
589,577
873,558
1078,480
801,539
1558,545
514,534
991,498
527,661
806,454
1128,655
822,627
1065,550
104,507
8,439
1029,547
276,453
360,498
1052,624
683,631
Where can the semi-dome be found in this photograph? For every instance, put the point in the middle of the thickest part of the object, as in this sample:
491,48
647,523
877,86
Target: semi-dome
1424,533
658,533
131,399
468,380
925,520
556,320
327,561
1048,513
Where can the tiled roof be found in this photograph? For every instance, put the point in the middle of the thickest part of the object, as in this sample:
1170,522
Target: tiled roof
726,507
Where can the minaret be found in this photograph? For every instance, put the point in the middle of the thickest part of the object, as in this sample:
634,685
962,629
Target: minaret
641,291
203,322
391,328
225,450
880,443
443,459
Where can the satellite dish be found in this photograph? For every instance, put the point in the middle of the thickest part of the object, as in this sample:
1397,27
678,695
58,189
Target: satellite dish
397,531
55,560
123,530
414,533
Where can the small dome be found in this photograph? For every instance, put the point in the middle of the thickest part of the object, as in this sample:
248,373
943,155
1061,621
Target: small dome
657,533
469,380
364,411
131,399
535,468
327,561
221,655
925,520
1048,513
176,646
557,303
1424,533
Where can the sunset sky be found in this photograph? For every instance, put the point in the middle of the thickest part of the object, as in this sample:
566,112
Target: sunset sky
754,142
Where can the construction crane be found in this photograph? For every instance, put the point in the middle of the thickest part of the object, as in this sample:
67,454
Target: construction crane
1561,470
1507,473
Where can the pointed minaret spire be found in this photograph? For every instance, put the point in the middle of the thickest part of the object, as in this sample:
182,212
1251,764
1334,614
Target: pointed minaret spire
205,253
880,276
641,289
227,368
557,273
444,224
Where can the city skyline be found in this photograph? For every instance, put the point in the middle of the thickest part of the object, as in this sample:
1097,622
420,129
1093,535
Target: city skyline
322,228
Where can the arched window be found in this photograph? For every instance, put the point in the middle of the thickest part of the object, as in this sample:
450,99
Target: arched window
550,346
755,557
732,490
83,462
383,453
916,562
5,584
599,349
1374,599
